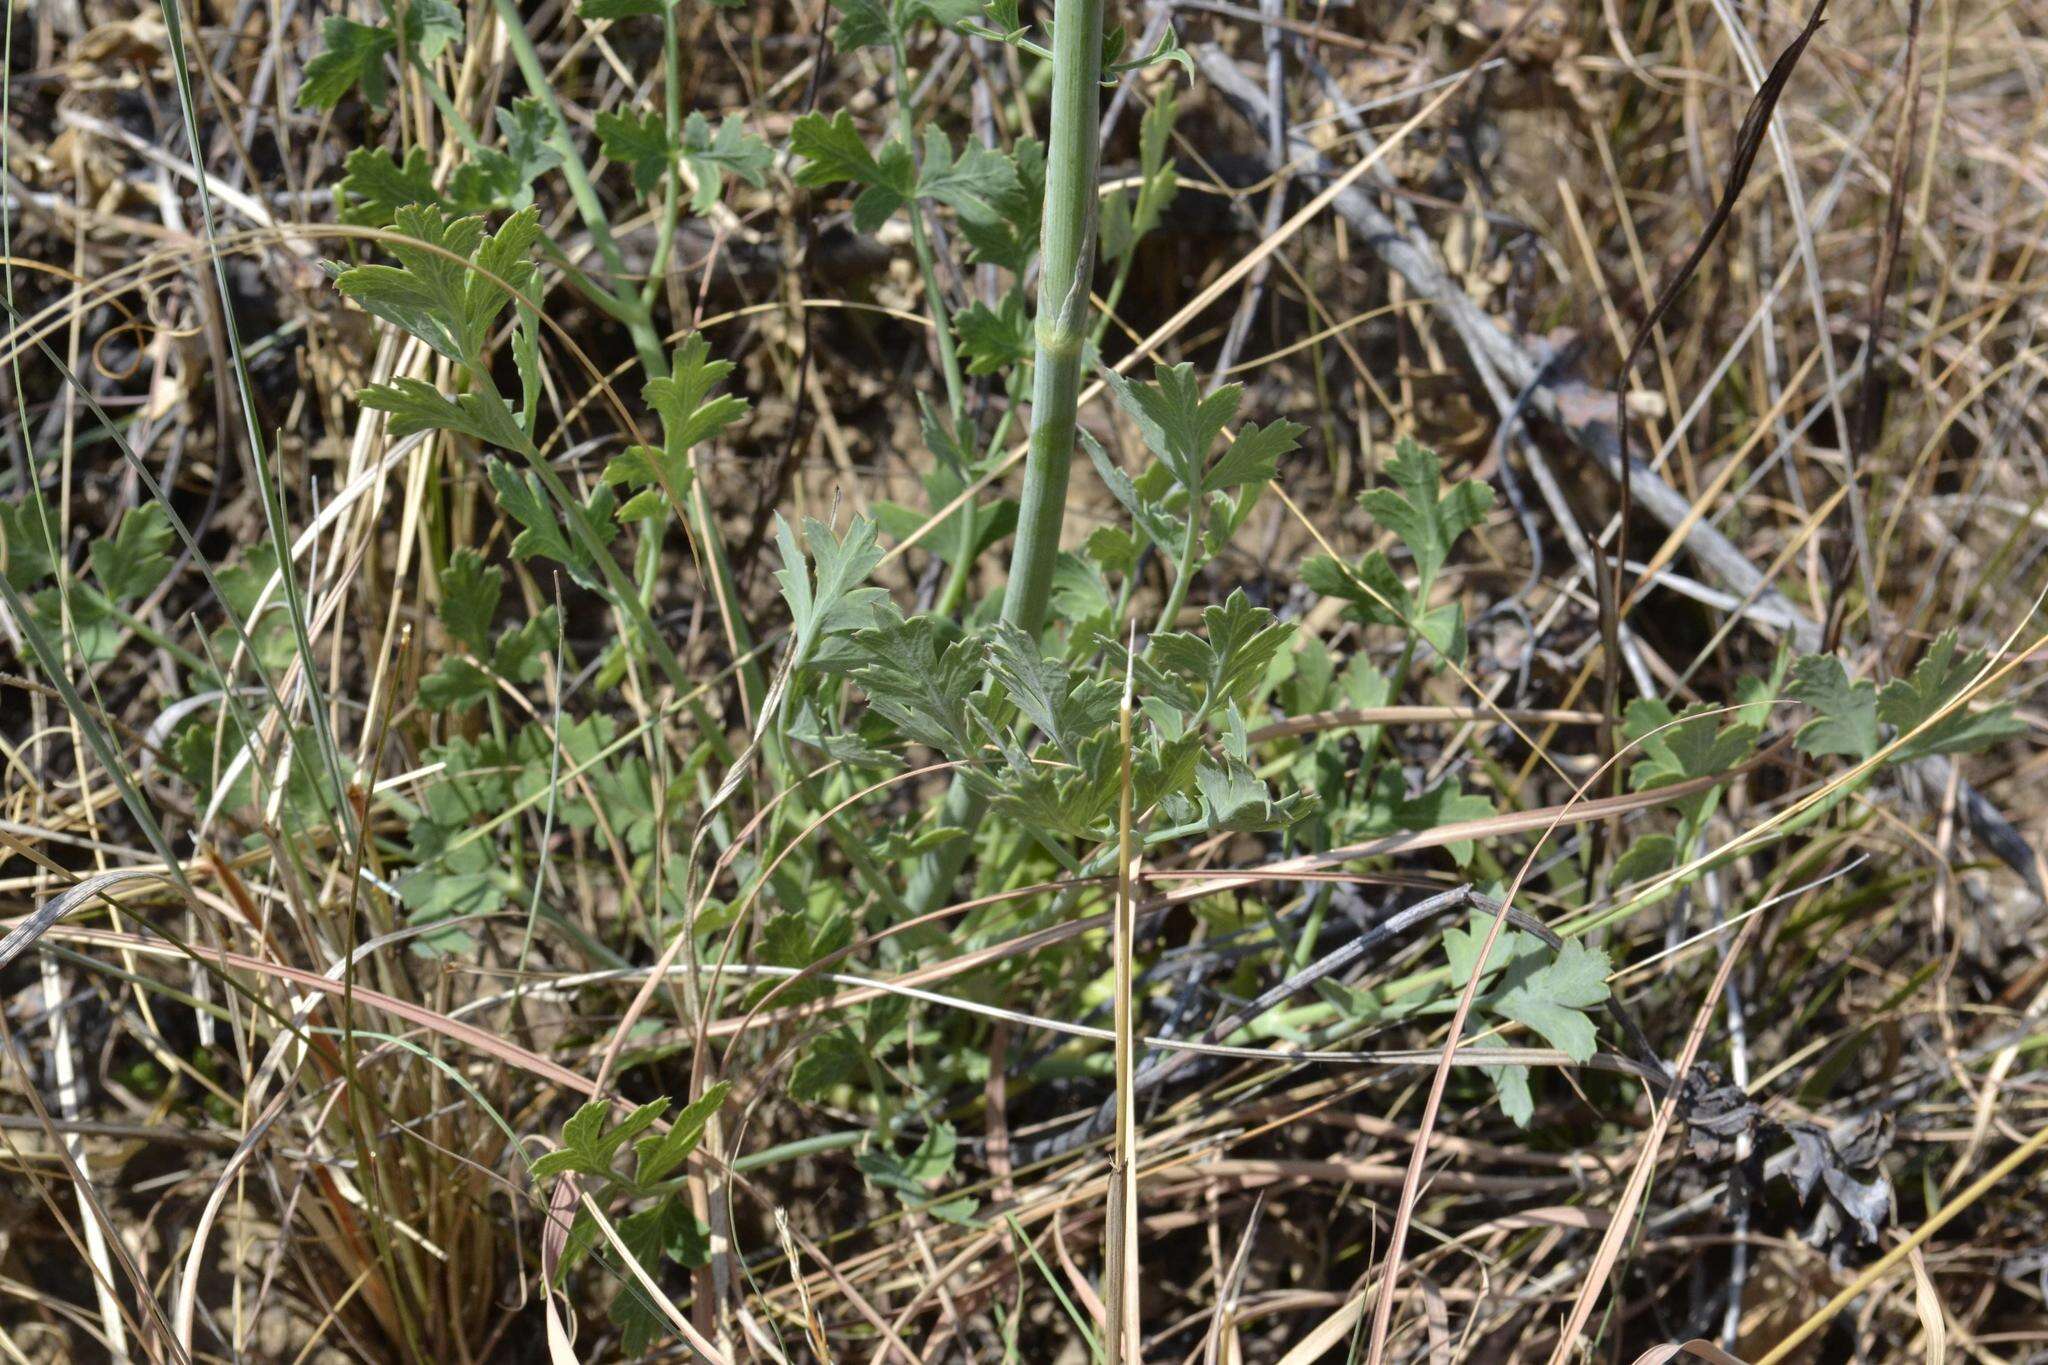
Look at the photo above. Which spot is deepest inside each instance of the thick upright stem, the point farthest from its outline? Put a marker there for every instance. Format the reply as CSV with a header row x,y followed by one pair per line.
x,y
1066,267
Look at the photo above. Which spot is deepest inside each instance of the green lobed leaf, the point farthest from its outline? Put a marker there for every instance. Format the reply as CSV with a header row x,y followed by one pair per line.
x,y
974,184
1235,798
731,151
1427,522
351,56
1254,457
1149,514
1845,713
28,540
1177,423
1067,710
1388,809
451,281
1678,748
374,187
831,152
1554,998
430,27
995,339
912,1176
658,1155
830,1061
864,23
1937,683
1007,235
591,1142
638,142
541,531
919,682
138,555
470,590
793,939
667,1229
416,406
690,414
1222,665
824,593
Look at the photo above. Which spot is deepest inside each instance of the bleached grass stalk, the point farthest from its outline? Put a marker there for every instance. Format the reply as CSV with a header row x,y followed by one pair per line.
x,y
1121,1245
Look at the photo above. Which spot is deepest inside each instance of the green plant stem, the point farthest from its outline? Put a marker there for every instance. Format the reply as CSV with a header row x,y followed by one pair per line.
x,y
1184,572
671,194
1066,268
948,604
574,171
920,241
634,312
